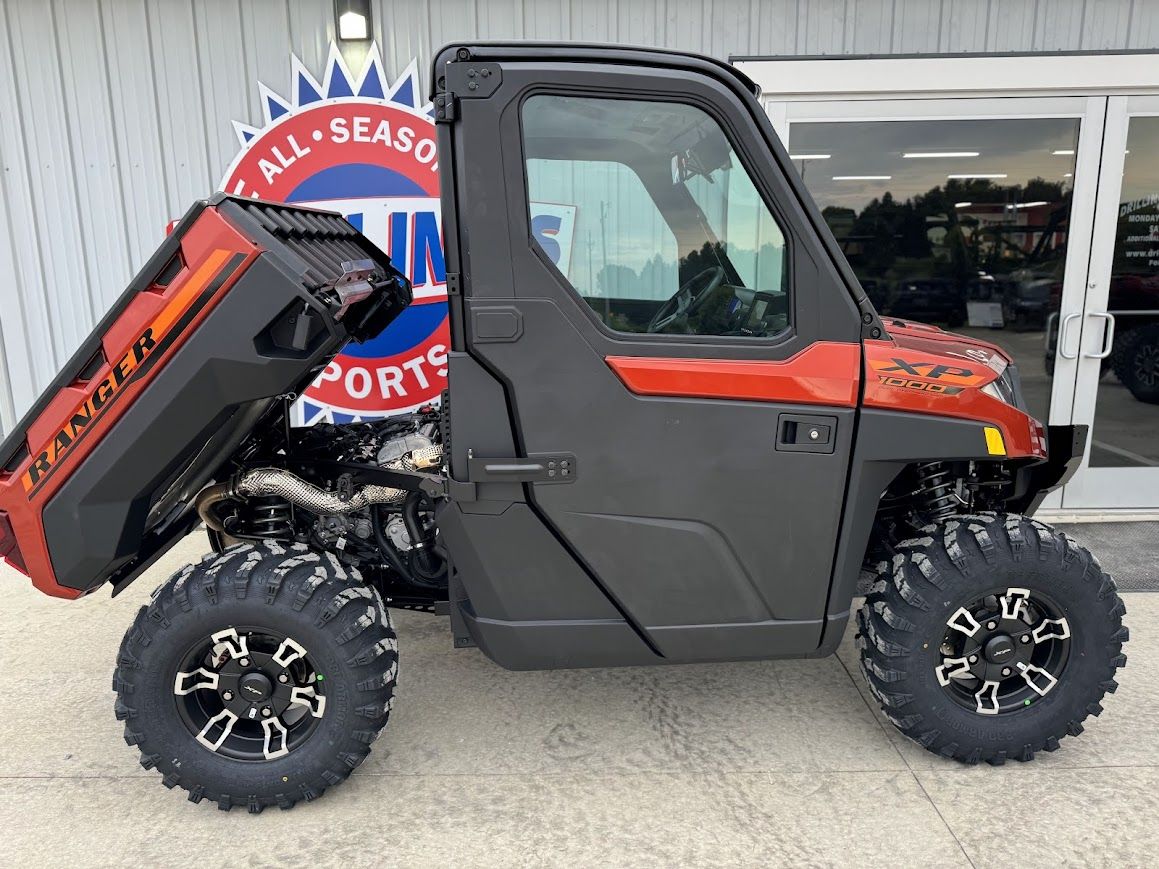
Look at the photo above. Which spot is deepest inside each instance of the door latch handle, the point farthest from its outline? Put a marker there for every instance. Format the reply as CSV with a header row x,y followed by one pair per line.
x,y
1066,321
804,433
1108,335
536,468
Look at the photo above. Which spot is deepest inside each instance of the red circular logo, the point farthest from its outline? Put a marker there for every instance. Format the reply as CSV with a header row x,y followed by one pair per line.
x,y
363,147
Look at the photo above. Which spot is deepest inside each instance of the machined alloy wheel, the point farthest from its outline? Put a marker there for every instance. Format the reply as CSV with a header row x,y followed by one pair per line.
x,y
991,637
249,695
258,677
1003,651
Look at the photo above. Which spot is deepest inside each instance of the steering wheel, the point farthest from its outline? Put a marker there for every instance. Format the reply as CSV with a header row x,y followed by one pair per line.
x,y
688,298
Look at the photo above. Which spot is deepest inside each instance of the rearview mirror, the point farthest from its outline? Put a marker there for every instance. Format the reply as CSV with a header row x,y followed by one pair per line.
x,y
708,155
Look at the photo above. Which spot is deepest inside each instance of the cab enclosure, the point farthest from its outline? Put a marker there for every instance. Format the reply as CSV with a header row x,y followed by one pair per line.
x,y
674,408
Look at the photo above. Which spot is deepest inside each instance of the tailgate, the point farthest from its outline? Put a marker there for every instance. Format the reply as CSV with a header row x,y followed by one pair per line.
x,y
244,303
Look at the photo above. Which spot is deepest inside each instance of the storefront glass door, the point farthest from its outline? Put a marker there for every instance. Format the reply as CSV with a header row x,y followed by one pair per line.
x,y
1118,378
972,214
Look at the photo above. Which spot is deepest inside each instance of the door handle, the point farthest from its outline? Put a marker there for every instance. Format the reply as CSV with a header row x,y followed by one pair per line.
x,y
1066,321
804,433
536,468
1108,335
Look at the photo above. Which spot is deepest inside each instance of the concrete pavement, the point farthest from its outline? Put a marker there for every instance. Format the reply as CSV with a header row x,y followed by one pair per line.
x,y
771,763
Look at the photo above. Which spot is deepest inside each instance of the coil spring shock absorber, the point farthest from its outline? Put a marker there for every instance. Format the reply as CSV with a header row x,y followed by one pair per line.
x,y
936,490
268,516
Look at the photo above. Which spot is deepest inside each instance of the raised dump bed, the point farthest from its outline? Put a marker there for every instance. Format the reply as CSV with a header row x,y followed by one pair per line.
x,y
242,305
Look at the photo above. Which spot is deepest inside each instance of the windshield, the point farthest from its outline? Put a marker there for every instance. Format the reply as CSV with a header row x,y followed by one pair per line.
x,y
734,210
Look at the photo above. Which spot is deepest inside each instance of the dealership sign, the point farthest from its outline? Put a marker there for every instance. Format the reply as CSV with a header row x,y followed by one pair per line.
x,y
365,146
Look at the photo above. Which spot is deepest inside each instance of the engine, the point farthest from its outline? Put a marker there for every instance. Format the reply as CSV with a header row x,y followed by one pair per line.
x,y
306,487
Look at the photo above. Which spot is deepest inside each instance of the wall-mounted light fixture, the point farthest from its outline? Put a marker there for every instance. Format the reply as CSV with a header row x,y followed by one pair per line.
x,y
353,18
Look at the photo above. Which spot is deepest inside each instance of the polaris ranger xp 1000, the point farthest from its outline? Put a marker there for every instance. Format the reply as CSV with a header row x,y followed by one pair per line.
x,y
676,430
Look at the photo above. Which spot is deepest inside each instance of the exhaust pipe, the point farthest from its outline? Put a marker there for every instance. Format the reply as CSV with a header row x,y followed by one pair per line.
x,y
283,484
210,497
267,482
290,487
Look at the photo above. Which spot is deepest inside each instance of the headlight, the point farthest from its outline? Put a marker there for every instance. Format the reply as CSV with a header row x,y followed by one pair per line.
x,y
1003,388
992,389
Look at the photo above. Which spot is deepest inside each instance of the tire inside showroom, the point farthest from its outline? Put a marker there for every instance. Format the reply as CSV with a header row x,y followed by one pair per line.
x,y
991,637
259,677
1136,360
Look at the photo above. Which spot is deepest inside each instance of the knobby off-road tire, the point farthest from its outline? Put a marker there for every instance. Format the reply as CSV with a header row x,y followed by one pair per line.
x,y
1120,352
349,657
903,627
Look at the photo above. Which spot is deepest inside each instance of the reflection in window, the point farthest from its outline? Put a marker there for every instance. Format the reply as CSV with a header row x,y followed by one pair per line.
x,y
666,232
959,223
935,215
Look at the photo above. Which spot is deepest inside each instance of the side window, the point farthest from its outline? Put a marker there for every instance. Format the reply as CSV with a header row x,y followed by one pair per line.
x,y
650,215
620,248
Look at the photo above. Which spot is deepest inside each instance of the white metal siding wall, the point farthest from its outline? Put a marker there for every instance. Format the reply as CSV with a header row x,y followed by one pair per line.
x,y
115,114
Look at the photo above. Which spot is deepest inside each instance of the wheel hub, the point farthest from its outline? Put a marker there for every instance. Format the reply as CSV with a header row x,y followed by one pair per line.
x,y
254,686
1003,652
998,649
997,653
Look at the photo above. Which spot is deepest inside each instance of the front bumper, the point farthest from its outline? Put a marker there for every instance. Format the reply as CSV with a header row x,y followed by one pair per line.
x,y
1065,445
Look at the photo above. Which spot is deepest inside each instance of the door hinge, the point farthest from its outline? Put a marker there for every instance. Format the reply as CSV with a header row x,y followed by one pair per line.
x,y
465,80
871,325
454,284
446,111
